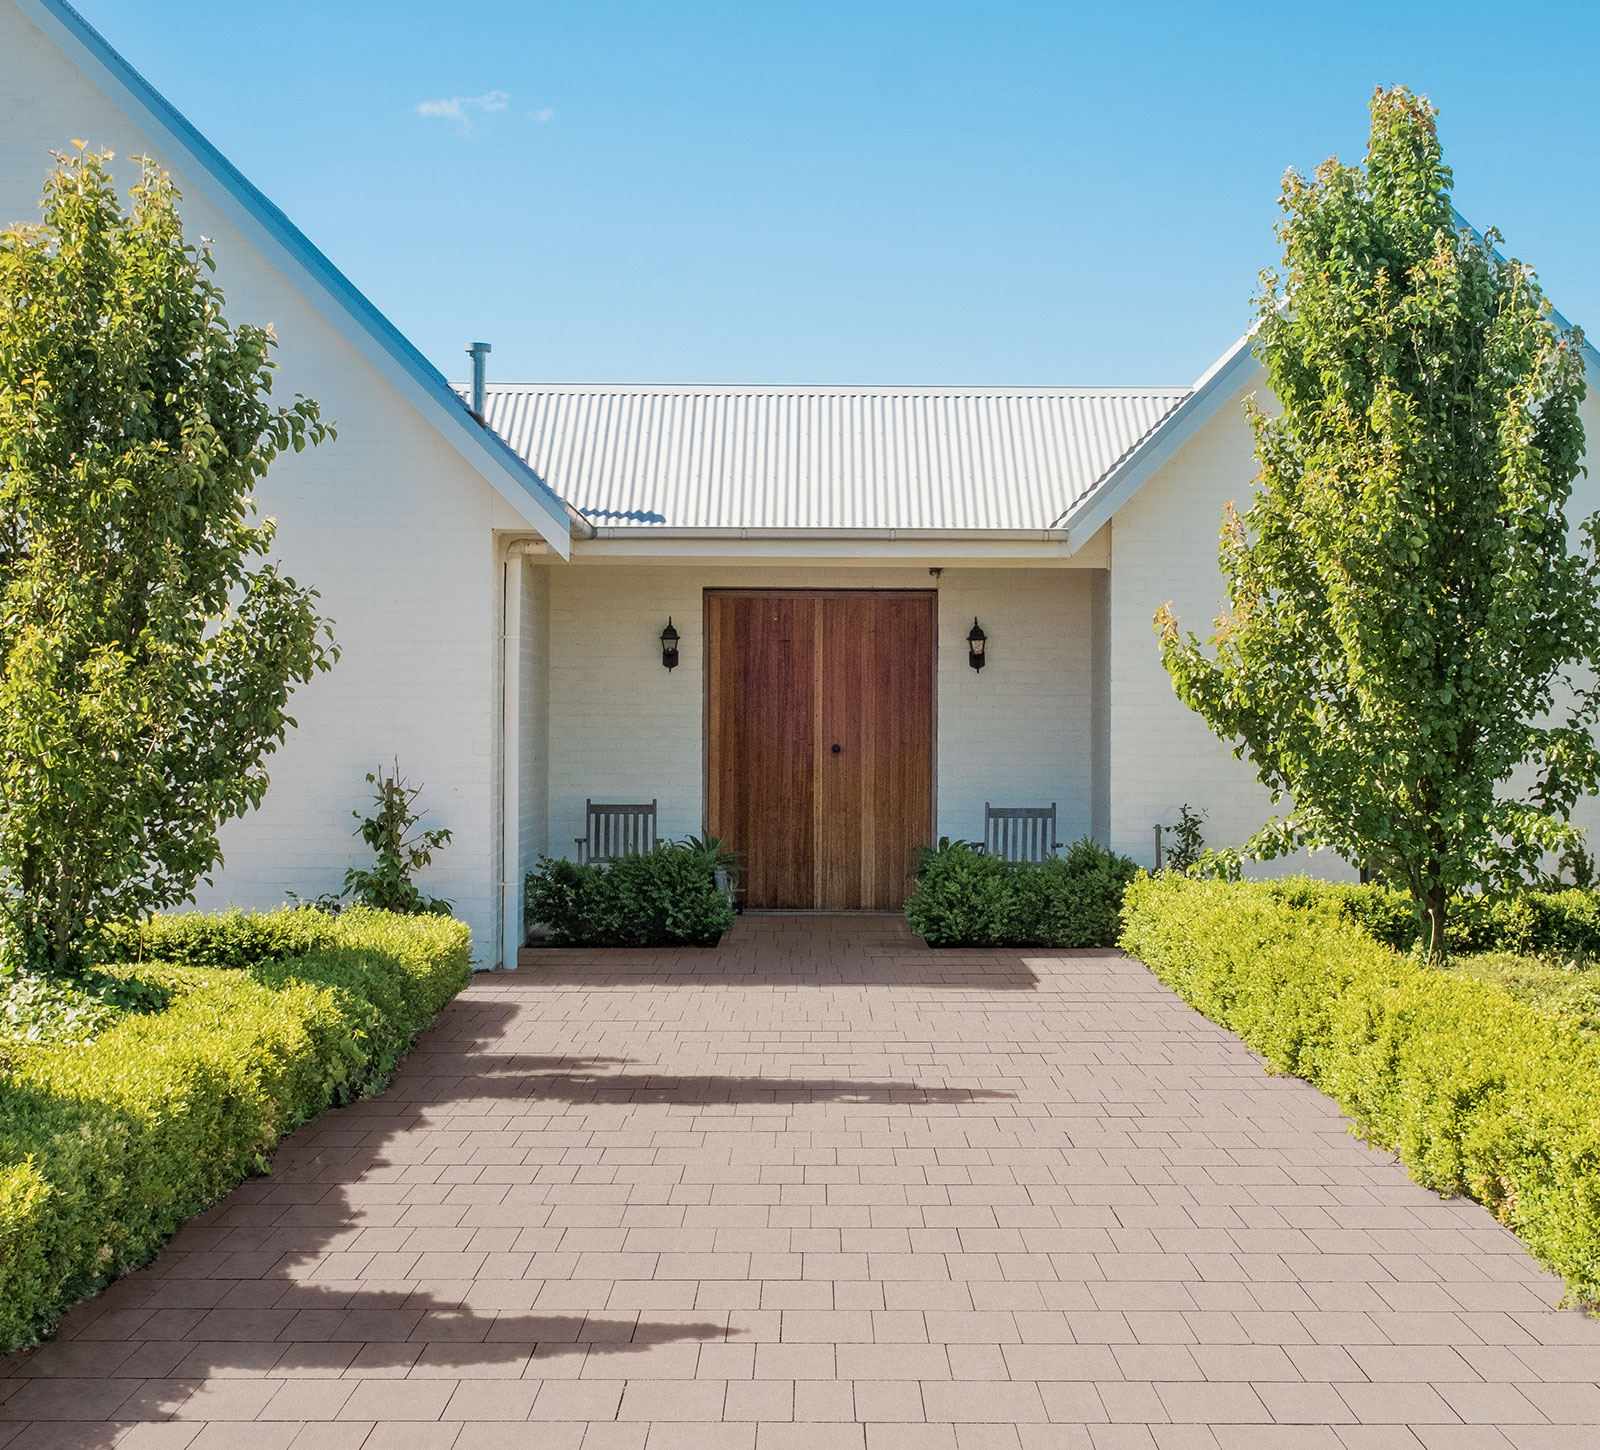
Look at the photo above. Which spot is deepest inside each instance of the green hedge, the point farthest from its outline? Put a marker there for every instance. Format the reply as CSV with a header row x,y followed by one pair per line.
x,y
667,896
966,897
1477,1092
106,1146
1560,924
224,938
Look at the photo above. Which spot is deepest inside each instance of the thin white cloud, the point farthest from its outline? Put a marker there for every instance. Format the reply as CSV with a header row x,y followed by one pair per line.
x,y
544,113
462,109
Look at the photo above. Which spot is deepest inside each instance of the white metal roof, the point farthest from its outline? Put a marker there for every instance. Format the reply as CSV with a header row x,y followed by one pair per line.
x,y
824,457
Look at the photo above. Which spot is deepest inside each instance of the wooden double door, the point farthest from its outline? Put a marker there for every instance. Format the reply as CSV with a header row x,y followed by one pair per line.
x,y
820,742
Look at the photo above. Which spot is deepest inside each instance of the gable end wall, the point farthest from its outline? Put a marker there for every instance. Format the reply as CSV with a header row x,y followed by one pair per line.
x,y
388,522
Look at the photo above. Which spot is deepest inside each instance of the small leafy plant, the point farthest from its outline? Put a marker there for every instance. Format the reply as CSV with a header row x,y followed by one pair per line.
x,y
966,897
667,896
1188,842
401,849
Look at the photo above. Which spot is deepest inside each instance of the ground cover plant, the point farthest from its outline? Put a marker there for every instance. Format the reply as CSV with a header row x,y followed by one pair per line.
x,y
967,897
676,894
120,1118
1409,645
1480,1077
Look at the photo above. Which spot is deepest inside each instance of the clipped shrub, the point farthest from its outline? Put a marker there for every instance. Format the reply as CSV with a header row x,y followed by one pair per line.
x,y
1561,924
966,897
105,1147
1477,1092
223,938
667,896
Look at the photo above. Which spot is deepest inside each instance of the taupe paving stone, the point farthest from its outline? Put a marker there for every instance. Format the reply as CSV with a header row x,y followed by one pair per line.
x,y
824,1187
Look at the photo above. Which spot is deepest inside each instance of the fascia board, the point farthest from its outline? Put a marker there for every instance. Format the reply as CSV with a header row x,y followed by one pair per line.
x,y
1225,377
292,252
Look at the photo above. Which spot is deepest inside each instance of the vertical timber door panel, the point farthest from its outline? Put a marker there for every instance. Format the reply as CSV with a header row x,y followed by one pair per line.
x,y
762,740
791,676
875,794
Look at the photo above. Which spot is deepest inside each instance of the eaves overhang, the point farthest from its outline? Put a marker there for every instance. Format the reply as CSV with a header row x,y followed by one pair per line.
x,y
1231,372
292,252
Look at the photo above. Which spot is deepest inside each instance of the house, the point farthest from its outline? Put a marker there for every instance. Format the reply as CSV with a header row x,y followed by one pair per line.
x,y
500,578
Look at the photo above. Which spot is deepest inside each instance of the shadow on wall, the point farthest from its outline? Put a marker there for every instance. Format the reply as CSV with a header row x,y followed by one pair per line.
x,y
368,1265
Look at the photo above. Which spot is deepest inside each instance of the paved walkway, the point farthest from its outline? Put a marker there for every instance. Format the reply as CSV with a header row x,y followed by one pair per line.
x,y
824,1188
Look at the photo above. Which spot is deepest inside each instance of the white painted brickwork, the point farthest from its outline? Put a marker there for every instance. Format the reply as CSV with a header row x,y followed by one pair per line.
x,y
1164,547
624,728
1019,731
388,522
534,796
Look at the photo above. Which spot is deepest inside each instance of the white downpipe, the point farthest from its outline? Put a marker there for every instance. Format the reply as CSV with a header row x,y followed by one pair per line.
x,y
511,765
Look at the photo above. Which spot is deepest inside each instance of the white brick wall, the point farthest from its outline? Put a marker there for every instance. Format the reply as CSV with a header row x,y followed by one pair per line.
x,y
1164,547
1585,501
534,796
388,522
624,728
1019,731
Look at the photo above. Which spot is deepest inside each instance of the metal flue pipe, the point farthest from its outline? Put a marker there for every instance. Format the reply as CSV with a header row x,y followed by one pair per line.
x,y
479,353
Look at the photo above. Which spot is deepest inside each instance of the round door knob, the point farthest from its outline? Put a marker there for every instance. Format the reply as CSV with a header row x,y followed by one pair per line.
x,y
835,749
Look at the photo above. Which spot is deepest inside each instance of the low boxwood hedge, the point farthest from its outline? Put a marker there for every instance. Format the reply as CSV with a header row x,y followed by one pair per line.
x,y
1477,1092
966,897
107,1145
224,938
1551,924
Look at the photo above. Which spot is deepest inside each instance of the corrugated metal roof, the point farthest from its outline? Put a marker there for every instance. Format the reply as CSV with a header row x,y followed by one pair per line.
x,y
824,458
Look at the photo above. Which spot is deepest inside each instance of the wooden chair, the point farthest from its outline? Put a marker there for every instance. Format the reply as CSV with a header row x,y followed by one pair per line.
x,y
614,830
1020,833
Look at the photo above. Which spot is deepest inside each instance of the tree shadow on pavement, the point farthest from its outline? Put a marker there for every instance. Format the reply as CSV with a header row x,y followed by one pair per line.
x,y
404,1239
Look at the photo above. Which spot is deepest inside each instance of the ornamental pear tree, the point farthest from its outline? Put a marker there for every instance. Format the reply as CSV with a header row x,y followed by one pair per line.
x,y
1408,648
147,647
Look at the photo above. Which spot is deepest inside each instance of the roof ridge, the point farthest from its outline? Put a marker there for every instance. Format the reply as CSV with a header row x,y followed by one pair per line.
x,y
883,389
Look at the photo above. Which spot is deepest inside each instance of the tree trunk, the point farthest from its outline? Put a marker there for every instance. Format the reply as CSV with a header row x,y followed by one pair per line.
x,y
1437,901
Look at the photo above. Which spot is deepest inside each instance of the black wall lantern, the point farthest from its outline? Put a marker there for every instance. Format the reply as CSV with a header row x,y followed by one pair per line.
x,y
976,639
669,645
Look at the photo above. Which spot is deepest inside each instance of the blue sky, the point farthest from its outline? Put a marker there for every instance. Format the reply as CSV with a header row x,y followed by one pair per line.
x,y
991,192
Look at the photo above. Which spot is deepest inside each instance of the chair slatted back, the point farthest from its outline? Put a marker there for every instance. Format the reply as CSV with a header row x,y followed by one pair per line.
x,y
617,829
1020,833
